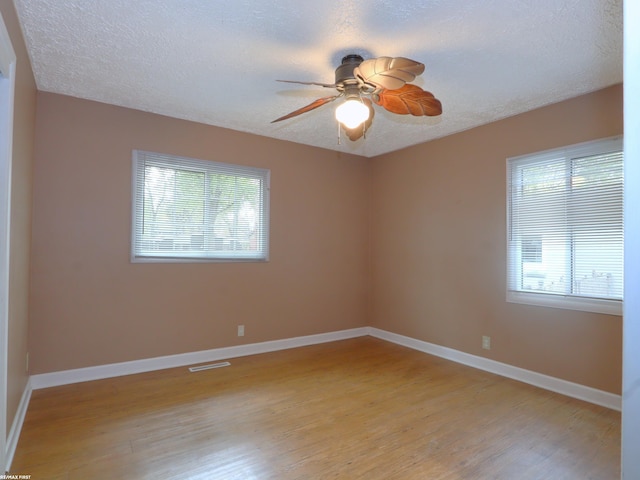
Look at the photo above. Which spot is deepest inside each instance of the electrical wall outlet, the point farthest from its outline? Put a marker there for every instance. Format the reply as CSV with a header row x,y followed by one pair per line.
x,y
486,342
241,330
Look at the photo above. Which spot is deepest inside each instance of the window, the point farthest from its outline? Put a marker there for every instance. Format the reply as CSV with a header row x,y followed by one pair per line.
x,y
565,227
532,248
195,210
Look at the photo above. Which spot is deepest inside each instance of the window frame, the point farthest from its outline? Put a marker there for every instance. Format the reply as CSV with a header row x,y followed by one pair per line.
x,y
141,158
609,306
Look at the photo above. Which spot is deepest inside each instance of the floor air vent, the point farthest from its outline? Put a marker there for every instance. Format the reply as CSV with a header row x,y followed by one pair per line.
x,y
209,367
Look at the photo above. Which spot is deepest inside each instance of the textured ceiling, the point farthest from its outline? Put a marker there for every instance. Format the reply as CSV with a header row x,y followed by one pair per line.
x,y
216,61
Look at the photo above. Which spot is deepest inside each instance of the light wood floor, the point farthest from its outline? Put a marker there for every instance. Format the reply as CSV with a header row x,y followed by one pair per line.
x,y
354,409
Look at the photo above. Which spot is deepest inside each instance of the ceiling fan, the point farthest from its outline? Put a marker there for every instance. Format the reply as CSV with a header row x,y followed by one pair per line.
x,y
383,81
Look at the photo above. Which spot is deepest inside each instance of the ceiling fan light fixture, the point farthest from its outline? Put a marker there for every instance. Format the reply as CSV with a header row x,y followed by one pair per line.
x,y
383,81
352,113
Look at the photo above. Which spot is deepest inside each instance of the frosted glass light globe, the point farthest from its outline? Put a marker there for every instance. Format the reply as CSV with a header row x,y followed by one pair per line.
x,y
352,113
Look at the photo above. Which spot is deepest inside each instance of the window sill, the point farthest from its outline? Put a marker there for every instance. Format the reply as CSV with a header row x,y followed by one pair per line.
x,y
168,258
595,305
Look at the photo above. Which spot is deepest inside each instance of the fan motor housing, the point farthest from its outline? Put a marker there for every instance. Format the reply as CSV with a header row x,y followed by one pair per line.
x,y
344,73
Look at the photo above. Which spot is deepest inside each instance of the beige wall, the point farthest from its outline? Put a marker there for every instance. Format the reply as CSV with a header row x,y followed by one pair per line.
x,y
412,242
23,141
439,242
91,306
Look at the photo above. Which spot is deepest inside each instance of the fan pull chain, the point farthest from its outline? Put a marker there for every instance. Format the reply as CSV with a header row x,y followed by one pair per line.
x,y
339,133
364,124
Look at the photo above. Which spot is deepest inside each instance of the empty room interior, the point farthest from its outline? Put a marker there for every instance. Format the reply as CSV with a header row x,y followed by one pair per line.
x,y
399,299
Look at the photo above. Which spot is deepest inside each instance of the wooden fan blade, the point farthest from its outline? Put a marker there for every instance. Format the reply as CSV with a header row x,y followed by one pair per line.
x,y
409,99
355,133
326,85
313,105
387,72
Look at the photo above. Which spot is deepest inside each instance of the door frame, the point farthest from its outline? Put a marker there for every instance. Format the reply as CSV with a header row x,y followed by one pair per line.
x,y
7,95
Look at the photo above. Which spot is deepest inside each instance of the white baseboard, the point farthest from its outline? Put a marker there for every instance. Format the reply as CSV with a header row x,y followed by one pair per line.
x,y
65,377
16,426
553,384
564,387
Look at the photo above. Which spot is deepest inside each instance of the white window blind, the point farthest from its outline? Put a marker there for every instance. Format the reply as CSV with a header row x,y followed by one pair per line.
x,y
194,210
565,227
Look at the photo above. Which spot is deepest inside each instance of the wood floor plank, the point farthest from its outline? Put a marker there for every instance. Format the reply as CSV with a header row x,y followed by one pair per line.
x,y
359,408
